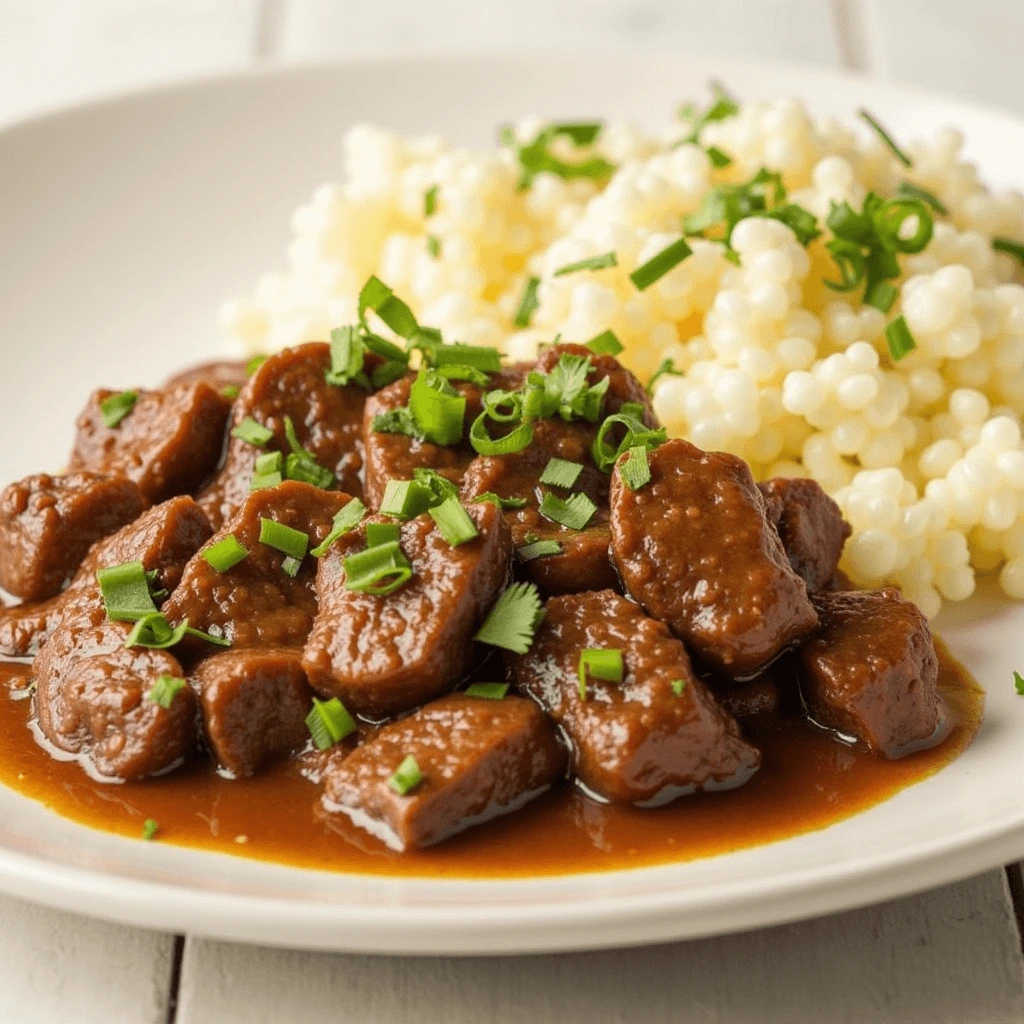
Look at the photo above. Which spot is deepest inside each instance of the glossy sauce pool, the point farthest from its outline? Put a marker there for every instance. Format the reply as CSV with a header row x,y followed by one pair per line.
x,y
807,781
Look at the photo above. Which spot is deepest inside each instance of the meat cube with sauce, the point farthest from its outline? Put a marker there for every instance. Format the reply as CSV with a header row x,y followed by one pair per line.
x,y
93,698
163,538
478,758
871,672
695,548
256,603
656,735
254,705
811,527
169,442
327,421
48,523
220,374
385,654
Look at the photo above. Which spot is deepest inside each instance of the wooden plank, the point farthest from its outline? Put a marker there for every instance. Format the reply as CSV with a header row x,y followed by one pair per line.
x,y
951,955
56,51
971,50
59,968
774,29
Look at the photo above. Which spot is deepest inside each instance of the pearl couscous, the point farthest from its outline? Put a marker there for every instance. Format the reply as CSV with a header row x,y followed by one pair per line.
x,y
920,444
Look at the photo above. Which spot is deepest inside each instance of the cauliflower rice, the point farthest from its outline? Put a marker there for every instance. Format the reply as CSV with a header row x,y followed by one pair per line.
x,y
923,454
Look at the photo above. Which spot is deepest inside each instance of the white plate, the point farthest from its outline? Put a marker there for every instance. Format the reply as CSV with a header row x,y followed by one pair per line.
x,y
123,226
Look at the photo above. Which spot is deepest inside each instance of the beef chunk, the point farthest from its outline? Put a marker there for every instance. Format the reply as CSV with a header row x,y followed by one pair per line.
x,y
384,655
811,526
255,603
479,759
92,699
168,444
48,524
756,697
163,539
871,671
585,563
254,706
328,423
638,741
695,548
219,374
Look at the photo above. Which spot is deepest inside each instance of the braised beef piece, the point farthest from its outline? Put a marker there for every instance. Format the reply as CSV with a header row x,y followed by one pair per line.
x,y
255,603
384,655
93,699
479,759
656,735
168,444
397,456
756,697
48,523
254,705
327,419
223,373
164,538
871,671
695,548
811,527
585,563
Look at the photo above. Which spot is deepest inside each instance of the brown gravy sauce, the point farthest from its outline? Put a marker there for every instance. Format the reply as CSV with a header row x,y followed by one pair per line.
x,y
808,781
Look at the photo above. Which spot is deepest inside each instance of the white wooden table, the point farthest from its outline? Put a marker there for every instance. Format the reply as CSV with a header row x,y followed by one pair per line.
x,y
953,955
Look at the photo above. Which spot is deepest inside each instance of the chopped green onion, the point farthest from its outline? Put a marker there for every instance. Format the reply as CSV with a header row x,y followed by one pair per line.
x,y
254,364
115,407
722,107
608,259
1010,247
455,372
1018,683
396,421
882,295
538,549
438,483
599,663
908,190
658,266
308,471
218,641
291,566
719,158
454,522
347,357
155,632
514,441
637,433
406,499
799,220
502,503
329,722
886,138
430,201
635,410
126,593
527,304
666,368
437,409
433,247
376,295
261,481
635,470
382,533
283,538
513,620
575,512
387,373
406,777
535,157
561,473
226,553
150,829
678,685
480,357
605,344
252,432
165,689
347,519
230,391
270,462
900,340
488,691
379,570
